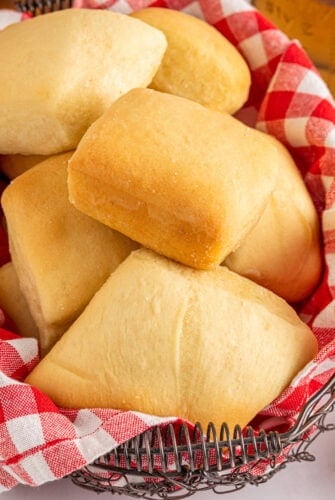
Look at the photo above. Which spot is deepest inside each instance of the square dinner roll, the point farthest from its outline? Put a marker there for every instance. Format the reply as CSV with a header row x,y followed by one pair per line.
x,y
61,71
168,340
61,256
13,302
283,251
181,179
199,63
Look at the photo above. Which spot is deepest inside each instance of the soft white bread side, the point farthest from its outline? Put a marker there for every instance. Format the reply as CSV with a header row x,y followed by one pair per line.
x,y
61,256
283,251
13,302
14,165
183,180
62,70
199,63
165,339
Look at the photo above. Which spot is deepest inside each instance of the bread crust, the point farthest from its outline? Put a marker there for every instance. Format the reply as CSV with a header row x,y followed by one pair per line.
x,y
13,302
62,70
183,180
168,340
60,255
199,63
283,251
14,165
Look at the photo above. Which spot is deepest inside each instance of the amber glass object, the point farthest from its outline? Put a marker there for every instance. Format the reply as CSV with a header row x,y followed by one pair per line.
x,y
313,23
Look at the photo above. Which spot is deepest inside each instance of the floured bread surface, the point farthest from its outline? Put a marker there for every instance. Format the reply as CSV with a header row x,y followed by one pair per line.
x,y
199,63
283,251
62,70
13,302
61,256
183,180
14,165
164,339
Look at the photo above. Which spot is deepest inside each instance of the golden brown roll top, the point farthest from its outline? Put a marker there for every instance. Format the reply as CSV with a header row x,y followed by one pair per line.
x,y
199,63
165,339
183,180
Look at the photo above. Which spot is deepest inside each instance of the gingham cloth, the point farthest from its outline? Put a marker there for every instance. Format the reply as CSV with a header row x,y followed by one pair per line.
x,y
40,442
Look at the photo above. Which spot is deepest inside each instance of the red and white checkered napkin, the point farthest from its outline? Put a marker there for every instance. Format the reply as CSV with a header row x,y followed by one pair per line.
x,y
40,442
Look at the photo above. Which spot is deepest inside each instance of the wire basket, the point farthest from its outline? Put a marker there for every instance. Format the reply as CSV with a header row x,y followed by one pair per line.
x,y
169,463
165,462
38,7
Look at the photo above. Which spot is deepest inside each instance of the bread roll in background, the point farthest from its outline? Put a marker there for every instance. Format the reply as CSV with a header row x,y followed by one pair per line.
x,y
14,165
13,302
185,181
283,251
199,63
61,256
61,71
165,339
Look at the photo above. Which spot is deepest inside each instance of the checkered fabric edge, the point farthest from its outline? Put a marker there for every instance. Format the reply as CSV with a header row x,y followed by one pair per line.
x,y
40,442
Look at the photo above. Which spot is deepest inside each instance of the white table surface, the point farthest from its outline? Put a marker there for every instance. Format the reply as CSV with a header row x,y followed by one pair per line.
x,y
299,481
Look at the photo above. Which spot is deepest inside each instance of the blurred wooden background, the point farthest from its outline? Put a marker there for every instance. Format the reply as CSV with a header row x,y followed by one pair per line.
x,y
7,4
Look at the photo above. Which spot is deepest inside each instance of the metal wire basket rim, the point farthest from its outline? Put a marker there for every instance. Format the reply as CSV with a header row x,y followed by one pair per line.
x,y
234,463
138,455
250,438
34,5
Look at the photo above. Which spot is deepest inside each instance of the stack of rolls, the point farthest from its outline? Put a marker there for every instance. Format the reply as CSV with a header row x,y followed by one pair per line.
x,y
156,241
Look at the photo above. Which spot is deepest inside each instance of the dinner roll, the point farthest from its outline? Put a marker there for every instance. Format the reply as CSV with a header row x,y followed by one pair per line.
x,y
283,251
183,180
61,256
199,63
62,70
13,302
168,340
14,165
